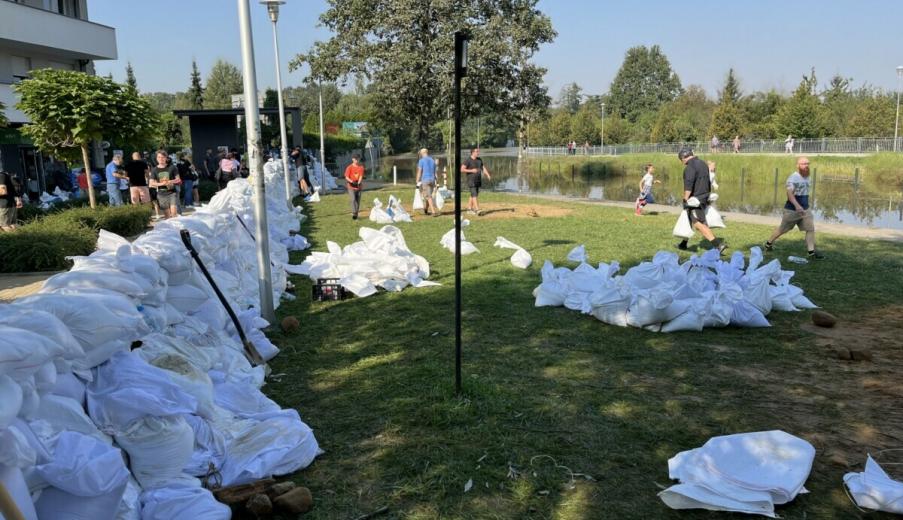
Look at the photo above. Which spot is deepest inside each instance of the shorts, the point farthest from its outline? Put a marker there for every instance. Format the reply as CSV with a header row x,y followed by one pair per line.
x,y
8,215
168,200
153,194
697,215
140,194
474,191
647,198
792,218
426,189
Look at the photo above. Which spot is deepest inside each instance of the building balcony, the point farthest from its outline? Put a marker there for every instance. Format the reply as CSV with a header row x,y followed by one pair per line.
x,y
32,29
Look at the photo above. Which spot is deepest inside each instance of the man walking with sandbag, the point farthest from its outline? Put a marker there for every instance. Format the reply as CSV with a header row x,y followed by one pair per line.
x,y
697,187
796,210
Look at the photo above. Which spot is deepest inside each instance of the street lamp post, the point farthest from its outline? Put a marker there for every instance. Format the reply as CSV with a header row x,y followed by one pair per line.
x,y
897,120
322,141
602,139
460,71
252,127
273,11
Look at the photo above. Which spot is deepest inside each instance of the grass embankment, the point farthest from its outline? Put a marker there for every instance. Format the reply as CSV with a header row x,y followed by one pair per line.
x,y
562,415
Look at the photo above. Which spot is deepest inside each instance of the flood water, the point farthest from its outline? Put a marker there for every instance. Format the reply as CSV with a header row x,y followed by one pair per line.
x,y
835,198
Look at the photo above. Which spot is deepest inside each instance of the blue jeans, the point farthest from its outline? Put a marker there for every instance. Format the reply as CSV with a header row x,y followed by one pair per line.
x,y
188,189
114,195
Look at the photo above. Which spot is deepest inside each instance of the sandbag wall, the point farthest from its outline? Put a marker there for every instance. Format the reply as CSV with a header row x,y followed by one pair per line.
x,y
123,385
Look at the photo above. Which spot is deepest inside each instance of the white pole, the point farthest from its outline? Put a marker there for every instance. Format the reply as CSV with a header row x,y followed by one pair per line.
x,y
322,141
252,117
394,175
602,141
288,180
897,120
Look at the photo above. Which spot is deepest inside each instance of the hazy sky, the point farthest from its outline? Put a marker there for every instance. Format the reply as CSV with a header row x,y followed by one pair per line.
x,y
769,43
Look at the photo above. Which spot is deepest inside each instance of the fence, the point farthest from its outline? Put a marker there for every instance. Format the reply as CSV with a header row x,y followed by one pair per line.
x,y
851,145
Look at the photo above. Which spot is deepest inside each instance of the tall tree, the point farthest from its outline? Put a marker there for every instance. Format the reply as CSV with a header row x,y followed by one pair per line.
x,y
801,115
873,117
727,120
407,55
70,109
644,83
730,93
223,82
685,118
196,91
569,99
130,77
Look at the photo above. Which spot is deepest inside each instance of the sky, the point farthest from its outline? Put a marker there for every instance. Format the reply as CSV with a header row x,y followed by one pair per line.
x,y
769,43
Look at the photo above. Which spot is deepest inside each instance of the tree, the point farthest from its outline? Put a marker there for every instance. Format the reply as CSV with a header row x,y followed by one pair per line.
x,y
130,77
801,115
407,55
873,117
586,125
730,93
195,91
685,118
727,120
569,99
644,83
223,82
760,110
70,109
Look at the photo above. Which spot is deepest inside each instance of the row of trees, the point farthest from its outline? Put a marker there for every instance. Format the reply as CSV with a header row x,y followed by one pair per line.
x,y
647,103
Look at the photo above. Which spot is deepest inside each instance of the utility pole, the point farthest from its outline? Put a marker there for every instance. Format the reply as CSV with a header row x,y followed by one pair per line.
x,y
273,11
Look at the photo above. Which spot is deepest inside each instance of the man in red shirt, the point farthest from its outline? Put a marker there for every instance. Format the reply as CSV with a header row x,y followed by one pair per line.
x,y
354,183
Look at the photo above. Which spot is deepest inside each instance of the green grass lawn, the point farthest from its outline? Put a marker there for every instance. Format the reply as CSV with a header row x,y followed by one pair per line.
x,y
563,416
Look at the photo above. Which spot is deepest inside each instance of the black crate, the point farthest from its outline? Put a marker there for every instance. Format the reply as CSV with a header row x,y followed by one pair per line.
x,y
328,289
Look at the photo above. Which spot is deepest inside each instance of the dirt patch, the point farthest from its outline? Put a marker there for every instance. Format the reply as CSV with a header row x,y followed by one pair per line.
x,y
504,211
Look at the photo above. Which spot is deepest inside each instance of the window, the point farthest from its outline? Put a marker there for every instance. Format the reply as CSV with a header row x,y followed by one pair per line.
x,y
21,66
69,8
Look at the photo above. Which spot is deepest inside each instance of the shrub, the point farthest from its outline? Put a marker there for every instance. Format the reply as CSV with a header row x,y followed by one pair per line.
x,y
207,189
126,220
43,245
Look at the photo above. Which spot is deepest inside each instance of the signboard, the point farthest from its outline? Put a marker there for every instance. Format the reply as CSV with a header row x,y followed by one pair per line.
x,y
332,128
357,128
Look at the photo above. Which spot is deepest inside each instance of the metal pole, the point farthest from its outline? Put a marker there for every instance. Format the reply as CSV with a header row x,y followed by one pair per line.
x,y
252,117
602,141
322,140
460,40
288,181
394,175
897,120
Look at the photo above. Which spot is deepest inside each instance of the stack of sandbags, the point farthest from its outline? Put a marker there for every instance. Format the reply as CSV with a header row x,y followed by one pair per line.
x,y
746,473
393,213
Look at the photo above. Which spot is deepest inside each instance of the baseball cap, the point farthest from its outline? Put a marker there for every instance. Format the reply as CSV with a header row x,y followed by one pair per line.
x,y
684,152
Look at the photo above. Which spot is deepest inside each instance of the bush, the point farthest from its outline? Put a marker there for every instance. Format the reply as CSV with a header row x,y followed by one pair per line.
x,y
43,245
207,189
126,220
29,212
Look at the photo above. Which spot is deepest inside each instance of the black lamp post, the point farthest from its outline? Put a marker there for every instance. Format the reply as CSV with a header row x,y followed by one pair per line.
x,y
461,39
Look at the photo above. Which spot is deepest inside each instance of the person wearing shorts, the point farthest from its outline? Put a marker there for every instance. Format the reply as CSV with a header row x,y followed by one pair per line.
x,y
426,181
796,211
10,201
137,170
474,168
646,183
697,186
164,177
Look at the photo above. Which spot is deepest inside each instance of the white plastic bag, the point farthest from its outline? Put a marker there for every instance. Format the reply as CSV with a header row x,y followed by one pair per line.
x,y
158,448
713,218
520,259
683,229
578,254
440,200
418,200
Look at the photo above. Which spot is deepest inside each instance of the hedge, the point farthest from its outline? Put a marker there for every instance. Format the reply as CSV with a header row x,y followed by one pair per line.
x,y
44,243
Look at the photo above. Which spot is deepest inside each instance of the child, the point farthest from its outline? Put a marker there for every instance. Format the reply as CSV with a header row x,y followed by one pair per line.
x,y
712,175
646,189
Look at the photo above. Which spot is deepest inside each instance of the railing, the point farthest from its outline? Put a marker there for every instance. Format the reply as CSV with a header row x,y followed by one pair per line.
x,y
851,145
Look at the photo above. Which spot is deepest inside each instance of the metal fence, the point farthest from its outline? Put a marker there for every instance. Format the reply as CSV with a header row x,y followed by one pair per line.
x,y
851,145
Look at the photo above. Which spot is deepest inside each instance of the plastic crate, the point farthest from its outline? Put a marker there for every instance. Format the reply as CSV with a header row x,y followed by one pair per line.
x,y
328,289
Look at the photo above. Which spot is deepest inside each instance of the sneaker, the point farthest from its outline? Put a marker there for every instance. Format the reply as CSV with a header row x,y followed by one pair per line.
x,y
353,217
817,255
721,248
768,246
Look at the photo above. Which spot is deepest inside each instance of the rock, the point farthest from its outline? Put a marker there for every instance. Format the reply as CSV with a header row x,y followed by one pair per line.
x,y
260,505
290,324
823,319
298,500
843,353
861,355
280,489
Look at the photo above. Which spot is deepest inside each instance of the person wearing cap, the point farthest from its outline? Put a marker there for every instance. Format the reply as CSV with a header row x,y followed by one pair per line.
x,y
697,187
426,181
796,210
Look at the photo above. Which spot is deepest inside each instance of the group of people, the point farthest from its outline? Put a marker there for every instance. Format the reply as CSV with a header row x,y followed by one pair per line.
x,y
699,183
160,182
715,144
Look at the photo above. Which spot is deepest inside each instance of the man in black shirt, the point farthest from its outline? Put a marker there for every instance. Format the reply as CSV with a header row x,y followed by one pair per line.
x,y
164,178
697,187
474,168
137,171
10,201
211,163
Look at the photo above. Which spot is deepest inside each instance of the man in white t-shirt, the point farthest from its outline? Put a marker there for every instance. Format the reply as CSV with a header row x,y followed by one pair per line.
x,y
796,210
646,189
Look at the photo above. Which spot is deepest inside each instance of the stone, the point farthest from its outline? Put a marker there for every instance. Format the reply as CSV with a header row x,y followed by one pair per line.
x,y
280,489
823,319
843,353
290,324
861,355
298,500
260,505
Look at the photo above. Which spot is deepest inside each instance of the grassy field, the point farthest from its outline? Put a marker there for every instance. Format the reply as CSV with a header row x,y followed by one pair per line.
x,y
563,416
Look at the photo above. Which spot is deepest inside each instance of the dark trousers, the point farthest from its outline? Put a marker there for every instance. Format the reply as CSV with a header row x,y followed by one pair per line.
x,y
355,201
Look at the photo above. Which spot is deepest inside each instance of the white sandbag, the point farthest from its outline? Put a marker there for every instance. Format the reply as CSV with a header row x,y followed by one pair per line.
x,y
314,197
780,299
182,500
191,379
278,445
88,478
59,414
578,254
505,243
22,352
45,378
418,200
11,402
47,325
358,284
746,314
110,280
130,506
609,305
874,489
209,445
186,297
682,228
713,218
758,294
520,259
15,485
243,400
439,199
550,294
650,307
797,299
158,448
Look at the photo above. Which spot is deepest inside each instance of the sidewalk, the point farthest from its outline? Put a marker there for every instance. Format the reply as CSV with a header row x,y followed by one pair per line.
x,y
17,285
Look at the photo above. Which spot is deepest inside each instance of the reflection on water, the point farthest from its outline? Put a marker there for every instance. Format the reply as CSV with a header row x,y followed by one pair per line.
x,y
835,199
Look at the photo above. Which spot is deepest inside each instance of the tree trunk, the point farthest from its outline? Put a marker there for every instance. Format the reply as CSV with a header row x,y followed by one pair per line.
x,y
88,176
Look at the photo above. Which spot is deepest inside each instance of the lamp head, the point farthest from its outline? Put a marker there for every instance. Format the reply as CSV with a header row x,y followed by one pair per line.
x,y
273,8
900,71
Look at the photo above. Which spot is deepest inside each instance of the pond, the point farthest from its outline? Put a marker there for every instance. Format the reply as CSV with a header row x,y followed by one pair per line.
x,y
844,197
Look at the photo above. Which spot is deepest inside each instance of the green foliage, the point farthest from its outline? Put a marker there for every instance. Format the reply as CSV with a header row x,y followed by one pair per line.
x,y
306,97
873,117
685,118
801,116
126,220
44,244
644,83
195,91
586,126
130,80
70,109
207,189
223,81
569,99
407,55
30,212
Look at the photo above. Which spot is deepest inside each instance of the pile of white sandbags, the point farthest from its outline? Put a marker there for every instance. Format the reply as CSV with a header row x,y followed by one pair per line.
x,y
745,473
131,351
874,489
323,181
393,212
380,259
666,296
